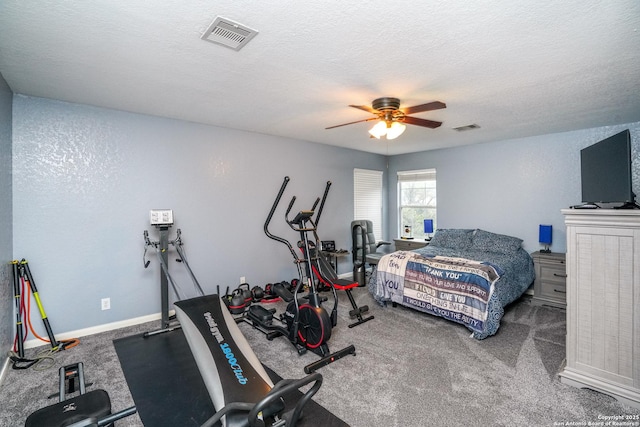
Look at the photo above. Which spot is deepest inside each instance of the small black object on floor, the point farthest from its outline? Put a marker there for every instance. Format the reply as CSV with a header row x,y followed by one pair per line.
x,y
168,390
86,409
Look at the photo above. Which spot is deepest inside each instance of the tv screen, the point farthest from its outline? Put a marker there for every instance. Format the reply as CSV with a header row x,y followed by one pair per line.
x,y
606,170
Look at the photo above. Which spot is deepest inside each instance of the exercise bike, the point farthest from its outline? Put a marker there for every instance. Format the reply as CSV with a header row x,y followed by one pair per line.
x,y
305,323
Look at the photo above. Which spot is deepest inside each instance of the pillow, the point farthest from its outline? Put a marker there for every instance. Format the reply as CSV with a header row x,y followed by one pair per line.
x,y
454,238
492,242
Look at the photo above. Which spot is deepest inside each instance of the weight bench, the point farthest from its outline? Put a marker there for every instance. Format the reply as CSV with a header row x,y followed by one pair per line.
x,y
238,385
327,276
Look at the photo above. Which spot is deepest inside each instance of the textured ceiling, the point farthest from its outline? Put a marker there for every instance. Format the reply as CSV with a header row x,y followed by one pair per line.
x,y
515,68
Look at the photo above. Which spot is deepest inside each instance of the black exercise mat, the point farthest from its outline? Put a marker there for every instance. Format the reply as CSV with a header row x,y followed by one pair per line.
x,y
168,390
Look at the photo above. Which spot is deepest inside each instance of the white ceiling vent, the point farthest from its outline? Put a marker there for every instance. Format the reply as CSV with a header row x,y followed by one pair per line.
x,y
228,33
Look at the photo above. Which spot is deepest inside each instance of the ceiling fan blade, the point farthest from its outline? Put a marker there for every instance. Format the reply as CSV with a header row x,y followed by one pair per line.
x,y
421,122
350,123
435,105
365,108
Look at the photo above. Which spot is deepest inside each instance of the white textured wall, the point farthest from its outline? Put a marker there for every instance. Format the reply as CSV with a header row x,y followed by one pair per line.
x,y
85,179
510,187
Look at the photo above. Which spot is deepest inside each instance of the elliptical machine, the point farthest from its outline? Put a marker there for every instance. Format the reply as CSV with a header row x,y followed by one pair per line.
x,y
305,323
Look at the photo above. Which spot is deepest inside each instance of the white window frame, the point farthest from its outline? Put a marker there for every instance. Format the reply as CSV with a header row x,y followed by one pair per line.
x,y
417,228
367,197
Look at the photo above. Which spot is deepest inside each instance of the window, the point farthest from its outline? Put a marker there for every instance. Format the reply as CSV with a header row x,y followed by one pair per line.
x,y
417,200
367,198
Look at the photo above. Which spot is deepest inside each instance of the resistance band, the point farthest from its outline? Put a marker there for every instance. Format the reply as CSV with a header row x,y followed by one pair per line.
x,y
23,284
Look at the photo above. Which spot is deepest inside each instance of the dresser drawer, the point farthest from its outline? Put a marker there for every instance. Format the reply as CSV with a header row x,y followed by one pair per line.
x,y
553,274
554,290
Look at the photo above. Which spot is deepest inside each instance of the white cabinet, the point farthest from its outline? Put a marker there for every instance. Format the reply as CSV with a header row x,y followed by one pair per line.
x,y
603,302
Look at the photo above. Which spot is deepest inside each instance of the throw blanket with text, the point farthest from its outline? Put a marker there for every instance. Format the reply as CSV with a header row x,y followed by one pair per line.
x,y
457,289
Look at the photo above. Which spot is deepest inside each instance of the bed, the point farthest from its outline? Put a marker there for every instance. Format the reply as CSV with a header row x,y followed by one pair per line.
x,y
464,275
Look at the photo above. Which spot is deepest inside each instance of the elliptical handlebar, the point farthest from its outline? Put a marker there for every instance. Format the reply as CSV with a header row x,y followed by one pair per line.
x,y
301,218
293,200
273,209
275,205
315,204
324,198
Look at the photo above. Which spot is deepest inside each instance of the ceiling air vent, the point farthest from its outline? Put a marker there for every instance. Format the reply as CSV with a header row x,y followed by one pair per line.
x,y
228,33
467,127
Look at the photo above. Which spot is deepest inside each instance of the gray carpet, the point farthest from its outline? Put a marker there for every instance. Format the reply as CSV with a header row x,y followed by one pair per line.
x,y
411,369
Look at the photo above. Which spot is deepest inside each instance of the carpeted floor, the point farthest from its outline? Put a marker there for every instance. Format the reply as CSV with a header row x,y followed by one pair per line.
x,y
169,391
411,369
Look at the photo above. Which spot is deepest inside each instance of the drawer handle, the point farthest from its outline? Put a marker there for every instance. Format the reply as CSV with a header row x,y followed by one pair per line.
x,y
560,292
559,275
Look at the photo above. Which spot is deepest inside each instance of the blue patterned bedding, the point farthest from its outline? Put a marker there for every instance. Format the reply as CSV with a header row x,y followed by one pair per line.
x,y
514,267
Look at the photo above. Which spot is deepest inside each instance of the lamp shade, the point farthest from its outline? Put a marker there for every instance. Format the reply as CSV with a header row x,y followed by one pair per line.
x,y
428,226
379,129
545,233
395,130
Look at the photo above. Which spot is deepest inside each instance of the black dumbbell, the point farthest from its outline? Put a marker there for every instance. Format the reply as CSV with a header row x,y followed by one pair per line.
x,y
268,290
258,293
236,302
245,290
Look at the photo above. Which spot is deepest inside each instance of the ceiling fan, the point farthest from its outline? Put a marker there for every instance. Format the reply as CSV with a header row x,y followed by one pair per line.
x,y
391,118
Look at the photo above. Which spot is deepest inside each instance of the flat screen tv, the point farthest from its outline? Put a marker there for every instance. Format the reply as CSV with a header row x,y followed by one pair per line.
x,y
606,171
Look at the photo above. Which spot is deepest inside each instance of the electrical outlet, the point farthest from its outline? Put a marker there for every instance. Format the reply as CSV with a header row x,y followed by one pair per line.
x,y
106,303
243,280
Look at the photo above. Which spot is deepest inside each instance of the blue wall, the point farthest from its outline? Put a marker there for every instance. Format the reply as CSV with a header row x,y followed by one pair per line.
x,y
6,229
85,179
509,187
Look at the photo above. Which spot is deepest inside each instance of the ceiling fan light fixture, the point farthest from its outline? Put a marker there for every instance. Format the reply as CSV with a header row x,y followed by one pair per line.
x,y
379,129
391,120
395,130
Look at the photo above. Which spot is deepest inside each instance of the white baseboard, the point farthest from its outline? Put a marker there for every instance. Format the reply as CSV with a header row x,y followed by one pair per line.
x,y
85,332
97,329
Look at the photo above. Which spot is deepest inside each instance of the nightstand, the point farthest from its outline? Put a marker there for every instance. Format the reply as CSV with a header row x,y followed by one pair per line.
x,y
334,257
550,286
409,244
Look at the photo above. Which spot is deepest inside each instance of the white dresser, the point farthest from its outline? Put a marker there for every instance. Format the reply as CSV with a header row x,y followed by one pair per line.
x,y
603,302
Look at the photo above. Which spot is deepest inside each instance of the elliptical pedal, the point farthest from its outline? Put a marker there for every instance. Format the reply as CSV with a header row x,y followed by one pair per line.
x,y
261,314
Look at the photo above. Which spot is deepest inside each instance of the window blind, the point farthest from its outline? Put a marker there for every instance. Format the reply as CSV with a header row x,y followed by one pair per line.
x,y
367,197
418,175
